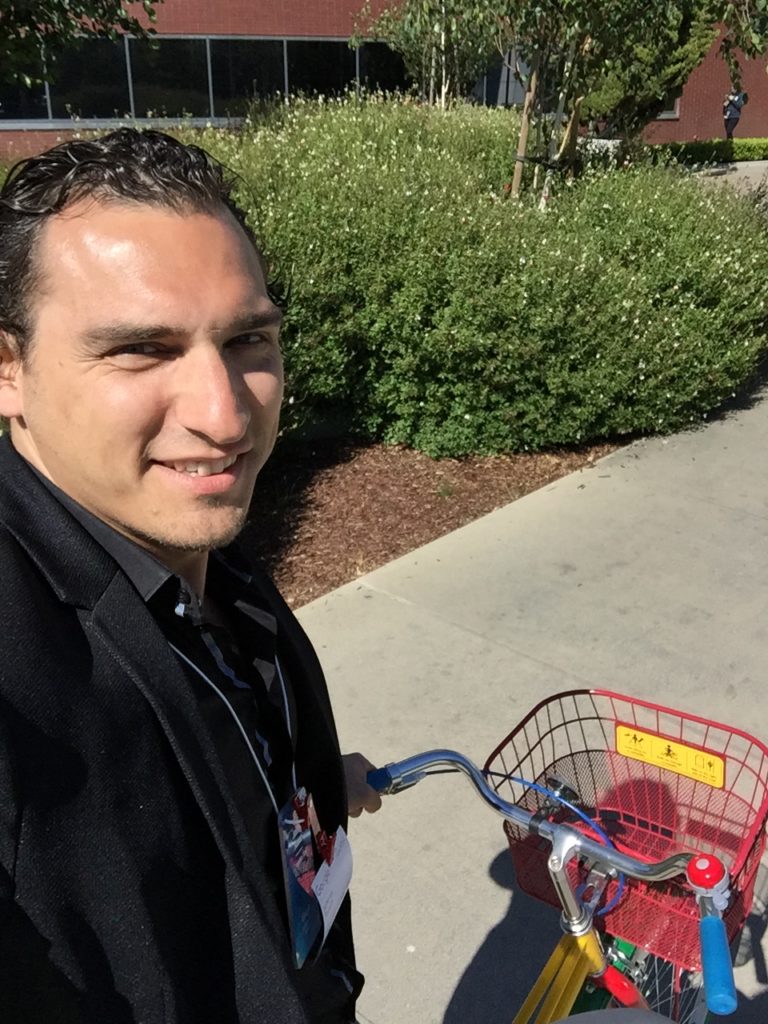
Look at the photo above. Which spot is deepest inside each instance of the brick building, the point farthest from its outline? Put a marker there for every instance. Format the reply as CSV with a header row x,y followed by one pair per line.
x,y
698,112
209,61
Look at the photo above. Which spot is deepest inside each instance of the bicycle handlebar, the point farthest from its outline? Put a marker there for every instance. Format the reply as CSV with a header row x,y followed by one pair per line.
x,y
395,777
716,965
568,842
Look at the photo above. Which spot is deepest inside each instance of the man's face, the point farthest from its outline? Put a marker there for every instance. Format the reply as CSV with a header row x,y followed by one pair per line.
x,y
152,387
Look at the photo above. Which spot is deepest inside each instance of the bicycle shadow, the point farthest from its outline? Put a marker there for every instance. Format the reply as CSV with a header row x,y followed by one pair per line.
x,y
494,984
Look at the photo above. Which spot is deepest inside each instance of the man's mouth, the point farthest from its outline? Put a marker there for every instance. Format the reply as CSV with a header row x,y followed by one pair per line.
x,y
202,467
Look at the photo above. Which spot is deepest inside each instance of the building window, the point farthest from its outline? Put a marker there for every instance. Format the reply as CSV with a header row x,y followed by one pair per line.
x,y
243,69
19,103
381,68
170,77
320,67
195,76
671,110
91,80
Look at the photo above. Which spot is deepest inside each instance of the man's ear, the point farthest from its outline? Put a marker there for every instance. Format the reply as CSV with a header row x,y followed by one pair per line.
x,y
11,374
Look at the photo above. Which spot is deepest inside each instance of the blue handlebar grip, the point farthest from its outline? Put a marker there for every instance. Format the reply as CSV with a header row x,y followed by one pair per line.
x,y
716,966
379,779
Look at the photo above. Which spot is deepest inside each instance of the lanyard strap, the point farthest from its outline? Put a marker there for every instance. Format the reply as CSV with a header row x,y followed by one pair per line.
x,y
239,724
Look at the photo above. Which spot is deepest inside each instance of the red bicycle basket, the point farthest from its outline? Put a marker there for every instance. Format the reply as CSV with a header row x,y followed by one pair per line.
x,y
658,782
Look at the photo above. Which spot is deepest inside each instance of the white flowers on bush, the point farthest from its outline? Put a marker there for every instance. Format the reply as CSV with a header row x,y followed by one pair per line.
x,y
391,223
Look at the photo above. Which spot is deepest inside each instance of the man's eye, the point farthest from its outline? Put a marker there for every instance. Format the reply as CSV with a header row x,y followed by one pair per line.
x,y
248,340
139,348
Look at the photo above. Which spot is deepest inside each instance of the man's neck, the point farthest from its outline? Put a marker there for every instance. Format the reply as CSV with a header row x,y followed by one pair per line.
x,y
192,566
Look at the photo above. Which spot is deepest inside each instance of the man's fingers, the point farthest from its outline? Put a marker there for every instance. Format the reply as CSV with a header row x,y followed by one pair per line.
x,y
360,796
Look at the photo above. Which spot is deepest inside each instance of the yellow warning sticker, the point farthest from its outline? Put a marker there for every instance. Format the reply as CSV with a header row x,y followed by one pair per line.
x,y
693,762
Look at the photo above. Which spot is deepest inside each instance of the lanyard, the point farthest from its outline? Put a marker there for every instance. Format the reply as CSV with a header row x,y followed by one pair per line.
x,y
239,724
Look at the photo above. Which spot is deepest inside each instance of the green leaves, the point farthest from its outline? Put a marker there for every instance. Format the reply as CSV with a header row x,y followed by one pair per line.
x,y
32,34
446,45
434,314
628,93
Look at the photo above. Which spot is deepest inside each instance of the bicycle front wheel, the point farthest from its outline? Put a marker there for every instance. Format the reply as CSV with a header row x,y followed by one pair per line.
x,y
670,991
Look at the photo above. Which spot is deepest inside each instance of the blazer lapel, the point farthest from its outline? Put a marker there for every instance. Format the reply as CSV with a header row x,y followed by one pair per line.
x,y
82,574
129,632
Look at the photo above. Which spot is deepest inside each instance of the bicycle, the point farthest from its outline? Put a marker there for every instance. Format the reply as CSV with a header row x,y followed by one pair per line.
x,y
645,826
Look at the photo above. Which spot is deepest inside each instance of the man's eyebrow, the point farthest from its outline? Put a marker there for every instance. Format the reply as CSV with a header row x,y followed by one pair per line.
x,y
134,334
271,317
125,333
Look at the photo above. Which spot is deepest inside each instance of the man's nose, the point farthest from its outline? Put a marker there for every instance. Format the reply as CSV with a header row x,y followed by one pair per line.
x,y
211,398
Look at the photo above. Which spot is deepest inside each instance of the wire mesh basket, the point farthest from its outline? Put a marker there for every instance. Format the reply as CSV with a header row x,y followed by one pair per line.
x,y
658,782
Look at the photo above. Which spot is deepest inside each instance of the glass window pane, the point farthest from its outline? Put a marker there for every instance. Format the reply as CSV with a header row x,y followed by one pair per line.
x,y
18,102
243,69
170,77
320,67
91,81
381,68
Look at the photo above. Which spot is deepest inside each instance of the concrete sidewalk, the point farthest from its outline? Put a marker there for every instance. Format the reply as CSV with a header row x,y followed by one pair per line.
x,y
645,574
743,175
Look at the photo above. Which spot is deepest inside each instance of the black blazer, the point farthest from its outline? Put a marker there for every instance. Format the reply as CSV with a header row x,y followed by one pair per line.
x,y
128,889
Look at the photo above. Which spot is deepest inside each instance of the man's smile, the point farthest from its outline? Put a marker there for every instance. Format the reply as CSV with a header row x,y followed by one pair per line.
x,y
202,467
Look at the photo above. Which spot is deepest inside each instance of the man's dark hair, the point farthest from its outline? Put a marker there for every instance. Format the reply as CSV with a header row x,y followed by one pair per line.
x,y
126,166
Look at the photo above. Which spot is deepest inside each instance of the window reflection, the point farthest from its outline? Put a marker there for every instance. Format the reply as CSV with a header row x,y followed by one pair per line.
x,y
381,68
320,67
170,77
243,69
91,80
17,102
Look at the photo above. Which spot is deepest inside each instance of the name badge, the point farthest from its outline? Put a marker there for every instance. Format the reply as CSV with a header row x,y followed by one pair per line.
x,y
317,869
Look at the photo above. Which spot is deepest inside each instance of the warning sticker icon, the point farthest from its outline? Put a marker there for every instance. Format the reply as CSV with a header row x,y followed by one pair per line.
x,y
665,752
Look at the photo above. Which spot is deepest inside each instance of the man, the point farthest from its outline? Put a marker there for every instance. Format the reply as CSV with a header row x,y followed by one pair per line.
x,y
159,704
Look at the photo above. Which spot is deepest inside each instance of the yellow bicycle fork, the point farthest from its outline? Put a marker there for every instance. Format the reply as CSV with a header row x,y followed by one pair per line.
x,y
555,991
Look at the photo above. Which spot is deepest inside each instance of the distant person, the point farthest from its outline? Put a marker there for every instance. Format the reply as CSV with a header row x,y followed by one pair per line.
x,y
732,105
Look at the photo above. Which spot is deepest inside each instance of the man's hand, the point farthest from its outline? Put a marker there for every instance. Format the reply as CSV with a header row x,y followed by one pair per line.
x,y
360,796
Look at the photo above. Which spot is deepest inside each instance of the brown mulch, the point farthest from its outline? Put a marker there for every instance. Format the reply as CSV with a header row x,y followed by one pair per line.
x,y
325,512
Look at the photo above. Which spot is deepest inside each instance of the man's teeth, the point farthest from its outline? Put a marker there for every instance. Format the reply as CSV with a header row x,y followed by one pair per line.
x,y
207,468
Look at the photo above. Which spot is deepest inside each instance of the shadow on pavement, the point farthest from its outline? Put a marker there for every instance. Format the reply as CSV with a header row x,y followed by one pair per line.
x,y
279,503
494,984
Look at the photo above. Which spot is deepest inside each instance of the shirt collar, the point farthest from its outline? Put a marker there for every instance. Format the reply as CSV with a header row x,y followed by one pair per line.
x,y
145,572
227,575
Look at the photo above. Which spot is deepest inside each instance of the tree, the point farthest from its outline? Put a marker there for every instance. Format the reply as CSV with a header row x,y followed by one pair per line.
x,y
34,32
575,46
746,29
568,44
625,98
613,57
446,45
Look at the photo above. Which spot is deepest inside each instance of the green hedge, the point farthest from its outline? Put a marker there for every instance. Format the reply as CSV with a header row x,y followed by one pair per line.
x,y
430,311
717,151
438,315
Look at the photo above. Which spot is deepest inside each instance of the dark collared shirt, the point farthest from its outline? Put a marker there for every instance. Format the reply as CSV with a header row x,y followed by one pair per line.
x,y
232,664
233,669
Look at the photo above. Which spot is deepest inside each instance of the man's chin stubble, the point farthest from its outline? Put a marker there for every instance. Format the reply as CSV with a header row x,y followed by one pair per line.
x,y
158,543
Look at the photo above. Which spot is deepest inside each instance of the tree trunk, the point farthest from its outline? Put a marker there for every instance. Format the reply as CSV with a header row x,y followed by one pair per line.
x,y
443,60
537,149
568,150
554,138
525,127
